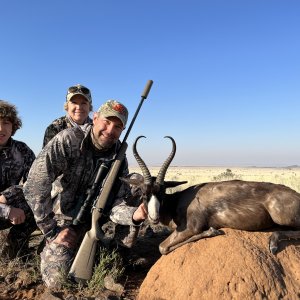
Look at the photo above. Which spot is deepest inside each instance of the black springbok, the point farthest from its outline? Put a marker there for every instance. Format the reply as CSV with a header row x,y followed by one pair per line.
x,y
200,210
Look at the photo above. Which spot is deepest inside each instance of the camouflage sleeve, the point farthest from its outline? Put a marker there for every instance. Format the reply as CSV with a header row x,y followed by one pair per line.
x,y
121,212
28,161
4,211
49,164
50,132
16,191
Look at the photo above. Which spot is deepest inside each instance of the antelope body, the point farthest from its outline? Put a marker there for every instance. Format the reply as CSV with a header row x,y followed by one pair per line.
x,y
200,210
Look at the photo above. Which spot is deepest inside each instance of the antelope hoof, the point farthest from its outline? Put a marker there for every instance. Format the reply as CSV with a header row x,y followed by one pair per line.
x,y
163,250
273,248
273,242
215,232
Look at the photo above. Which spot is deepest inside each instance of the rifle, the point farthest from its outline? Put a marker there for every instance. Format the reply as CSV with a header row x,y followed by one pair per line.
x,y
87,203
82,267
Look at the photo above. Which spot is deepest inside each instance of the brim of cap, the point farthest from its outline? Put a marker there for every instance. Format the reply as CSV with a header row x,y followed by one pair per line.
x,y
112,114
71,95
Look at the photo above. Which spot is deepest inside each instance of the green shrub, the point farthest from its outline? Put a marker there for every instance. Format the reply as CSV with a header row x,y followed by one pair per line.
x,y
227,175
110,263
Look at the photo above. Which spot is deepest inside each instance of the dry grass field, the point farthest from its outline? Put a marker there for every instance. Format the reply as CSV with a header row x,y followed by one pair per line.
x,y
289,176
20,279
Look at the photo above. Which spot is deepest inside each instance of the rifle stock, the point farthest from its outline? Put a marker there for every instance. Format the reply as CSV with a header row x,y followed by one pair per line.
x,y
82,267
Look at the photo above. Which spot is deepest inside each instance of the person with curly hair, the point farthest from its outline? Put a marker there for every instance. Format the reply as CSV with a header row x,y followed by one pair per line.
x,y
16,159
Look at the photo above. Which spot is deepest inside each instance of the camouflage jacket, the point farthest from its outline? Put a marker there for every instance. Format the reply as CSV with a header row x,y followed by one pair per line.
x,y
16,159
62,174
57,126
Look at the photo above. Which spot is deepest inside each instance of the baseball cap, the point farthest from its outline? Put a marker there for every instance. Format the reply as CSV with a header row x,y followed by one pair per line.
x,y
79,89
113,108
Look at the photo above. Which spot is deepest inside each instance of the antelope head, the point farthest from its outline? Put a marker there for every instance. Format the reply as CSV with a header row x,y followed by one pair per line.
x,y
153,188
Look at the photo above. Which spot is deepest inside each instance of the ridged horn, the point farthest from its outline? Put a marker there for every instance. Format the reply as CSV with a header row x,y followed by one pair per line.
x,y
145,170
163,170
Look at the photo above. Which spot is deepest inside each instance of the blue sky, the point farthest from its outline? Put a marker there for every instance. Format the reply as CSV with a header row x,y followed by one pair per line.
x,y
226,73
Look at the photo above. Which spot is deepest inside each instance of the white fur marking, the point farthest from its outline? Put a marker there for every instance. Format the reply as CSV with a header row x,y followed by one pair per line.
x,y
153,209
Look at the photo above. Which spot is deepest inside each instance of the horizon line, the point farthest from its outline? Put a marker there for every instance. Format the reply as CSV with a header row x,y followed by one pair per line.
x,y
220,166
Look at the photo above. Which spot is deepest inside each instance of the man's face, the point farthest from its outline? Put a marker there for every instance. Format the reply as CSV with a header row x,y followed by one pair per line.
x,y
78,109
5,131
106,130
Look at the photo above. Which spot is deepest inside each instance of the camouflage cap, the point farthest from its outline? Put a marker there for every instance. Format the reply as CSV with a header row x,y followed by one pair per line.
x,y
79,89
113,108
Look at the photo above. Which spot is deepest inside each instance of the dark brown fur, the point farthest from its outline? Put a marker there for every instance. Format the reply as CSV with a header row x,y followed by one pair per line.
x,y
200,210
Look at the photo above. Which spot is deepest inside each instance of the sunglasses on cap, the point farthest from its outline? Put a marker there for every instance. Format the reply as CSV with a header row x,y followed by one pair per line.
x,y
82,89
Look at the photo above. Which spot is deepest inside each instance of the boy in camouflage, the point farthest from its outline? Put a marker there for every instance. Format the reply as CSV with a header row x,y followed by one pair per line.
x,y
15,161
78,105
61,176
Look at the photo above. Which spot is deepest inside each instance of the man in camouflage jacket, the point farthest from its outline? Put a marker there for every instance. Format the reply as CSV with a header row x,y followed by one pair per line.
x,y
78,105
15,161
61,176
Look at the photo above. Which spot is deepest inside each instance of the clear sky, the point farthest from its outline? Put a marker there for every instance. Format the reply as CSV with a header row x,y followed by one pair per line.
x,y
226,73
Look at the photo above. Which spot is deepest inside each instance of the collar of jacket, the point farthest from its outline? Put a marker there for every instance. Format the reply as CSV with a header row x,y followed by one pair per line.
x,y
5,150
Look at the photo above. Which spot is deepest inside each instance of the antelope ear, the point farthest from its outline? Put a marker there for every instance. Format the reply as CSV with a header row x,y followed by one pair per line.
x,y
170,184
128,180
132,181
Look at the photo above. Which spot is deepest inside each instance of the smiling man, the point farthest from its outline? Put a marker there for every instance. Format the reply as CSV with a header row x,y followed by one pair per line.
x,y
15,161
78,105
61,176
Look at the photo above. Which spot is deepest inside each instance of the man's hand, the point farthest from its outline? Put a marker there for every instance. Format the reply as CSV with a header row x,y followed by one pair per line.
x,y
16,216
67,237
140,214
2,199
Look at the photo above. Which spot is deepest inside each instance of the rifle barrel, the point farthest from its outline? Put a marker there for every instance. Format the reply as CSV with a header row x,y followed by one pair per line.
x,y
144,96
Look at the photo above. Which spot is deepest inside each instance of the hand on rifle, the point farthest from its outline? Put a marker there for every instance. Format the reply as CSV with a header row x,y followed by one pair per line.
x,y
67,237
3,199
140,214
16,215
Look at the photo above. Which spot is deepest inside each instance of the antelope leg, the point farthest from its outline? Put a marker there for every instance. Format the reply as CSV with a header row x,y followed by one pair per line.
x,y
278,236
179,238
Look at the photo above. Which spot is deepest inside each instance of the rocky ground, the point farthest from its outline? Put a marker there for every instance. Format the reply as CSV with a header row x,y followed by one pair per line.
x,y
17,282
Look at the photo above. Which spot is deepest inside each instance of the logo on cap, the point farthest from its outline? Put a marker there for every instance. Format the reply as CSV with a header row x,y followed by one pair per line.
x,y
113,108
119,108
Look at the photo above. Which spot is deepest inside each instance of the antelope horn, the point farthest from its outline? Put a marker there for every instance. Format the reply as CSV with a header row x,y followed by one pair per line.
x,y
145,170
163,170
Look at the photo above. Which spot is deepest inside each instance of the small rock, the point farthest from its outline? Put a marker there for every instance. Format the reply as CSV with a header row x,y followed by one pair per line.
x,y
71,297
111,285
31,294
48,295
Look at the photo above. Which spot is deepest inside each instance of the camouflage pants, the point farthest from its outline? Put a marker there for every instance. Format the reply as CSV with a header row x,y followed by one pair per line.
x,y
56,260
125,236
18,236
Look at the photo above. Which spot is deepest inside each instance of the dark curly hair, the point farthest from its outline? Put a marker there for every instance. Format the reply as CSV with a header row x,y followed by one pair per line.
x,y
10,113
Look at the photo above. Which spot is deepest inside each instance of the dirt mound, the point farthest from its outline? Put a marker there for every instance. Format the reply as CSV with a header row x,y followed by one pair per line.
x,y
236,265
